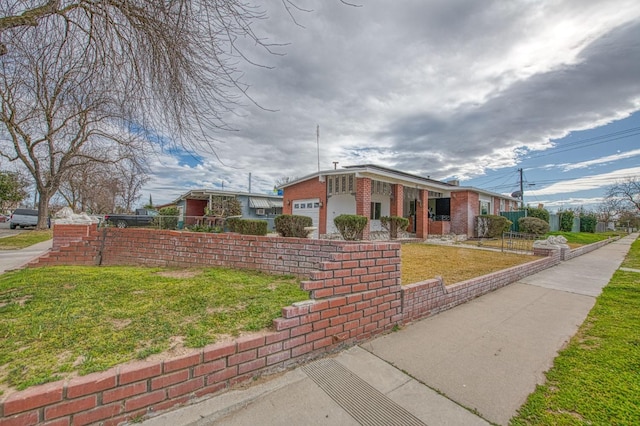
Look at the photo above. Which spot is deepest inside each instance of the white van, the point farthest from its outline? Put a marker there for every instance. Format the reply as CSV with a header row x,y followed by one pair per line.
x,y
23,218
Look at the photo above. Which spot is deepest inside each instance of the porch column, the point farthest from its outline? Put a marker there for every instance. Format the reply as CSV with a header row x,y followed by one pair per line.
x,y
363,202
397,202
422,214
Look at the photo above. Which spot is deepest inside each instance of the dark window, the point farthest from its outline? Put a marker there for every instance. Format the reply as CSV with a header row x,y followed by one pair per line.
x,y
376,209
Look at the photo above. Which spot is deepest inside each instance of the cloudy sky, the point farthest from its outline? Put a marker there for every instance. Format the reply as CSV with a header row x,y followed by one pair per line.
x,y
451,89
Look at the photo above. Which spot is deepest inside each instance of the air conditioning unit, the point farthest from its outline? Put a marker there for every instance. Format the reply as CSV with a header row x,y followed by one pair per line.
x,y
260,212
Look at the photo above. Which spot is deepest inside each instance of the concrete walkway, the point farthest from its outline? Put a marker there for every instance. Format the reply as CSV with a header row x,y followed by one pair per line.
x,y
14,259
471,365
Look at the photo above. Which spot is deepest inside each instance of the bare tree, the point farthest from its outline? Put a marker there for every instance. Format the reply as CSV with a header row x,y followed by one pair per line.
x,y
627,191
132,179
101,188
178,59
55,119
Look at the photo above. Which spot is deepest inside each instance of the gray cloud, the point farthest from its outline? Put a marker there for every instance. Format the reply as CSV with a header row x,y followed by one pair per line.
x,y
441,88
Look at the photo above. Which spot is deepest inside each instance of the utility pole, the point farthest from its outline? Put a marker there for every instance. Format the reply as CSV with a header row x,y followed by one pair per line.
x,y
521,190
318,144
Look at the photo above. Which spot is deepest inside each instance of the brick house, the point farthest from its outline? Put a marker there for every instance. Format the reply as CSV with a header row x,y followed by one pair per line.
x,y
191,205
432,206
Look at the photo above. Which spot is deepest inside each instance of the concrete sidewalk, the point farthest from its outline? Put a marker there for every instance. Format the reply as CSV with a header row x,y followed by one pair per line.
x,y
473,364
13,259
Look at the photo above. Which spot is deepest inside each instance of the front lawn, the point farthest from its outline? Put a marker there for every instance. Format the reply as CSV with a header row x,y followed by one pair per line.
x,y
595,380
59,320
584,238
453,263
25,239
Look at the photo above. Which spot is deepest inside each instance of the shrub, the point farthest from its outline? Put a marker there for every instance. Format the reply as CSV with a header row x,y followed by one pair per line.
x,y
539,213
289,225
205,228
168,218
350,226
588,222
492,226
533,225
566,220
247,226
393,224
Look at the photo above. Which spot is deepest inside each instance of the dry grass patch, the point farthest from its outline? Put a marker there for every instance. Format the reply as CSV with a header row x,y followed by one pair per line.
x,y
454,264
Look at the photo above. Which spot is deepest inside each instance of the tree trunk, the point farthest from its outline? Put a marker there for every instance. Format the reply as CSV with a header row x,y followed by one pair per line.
x,y
43,210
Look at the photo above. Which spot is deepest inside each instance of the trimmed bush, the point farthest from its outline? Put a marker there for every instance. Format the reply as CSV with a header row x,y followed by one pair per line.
x,y
168,218
566,220
205,228
288,225
588,222
539,213
393,224
247,226
533,225
492,226
351,226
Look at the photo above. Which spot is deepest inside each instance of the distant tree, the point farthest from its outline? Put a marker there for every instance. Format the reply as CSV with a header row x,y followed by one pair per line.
x,y
149,204
627,191
629,219
609,209
101,188
12,189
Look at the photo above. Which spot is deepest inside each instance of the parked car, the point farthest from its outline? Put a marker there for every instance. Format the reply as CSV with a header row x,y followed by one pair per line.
x,y
3,218
143,217
23,218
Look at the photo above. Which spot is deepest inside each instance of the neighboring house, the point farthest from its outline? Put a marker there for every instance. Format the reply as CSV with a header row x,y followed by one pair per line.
x,y
192,204
432,206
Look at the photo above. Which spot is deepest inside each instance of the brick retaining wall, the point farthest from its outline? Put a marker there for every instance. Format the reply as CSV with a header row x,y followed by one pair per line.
x,y
355,294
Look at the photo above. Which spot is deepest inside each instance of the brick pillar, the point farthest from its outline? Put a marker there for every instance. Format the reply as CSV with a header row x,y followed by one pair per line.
x,y
397,202
422,214
363,202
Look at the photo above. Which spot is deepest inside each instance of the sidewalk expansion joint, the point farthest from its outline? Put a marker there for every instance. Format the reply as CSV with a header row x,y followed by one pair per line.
x,y
367,405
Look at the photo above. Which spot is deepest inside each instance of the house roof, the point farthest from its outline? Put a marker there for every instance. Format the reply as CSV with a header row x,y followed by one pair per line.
x,y
396,176
204,194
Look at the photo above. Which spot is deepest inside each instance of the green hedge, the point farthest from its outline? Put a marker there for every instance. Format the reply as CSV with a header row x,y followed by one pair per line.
x,y
492,226
351,226
288,225
566,220
533,225
393,224
247,226
588,222
168,218
539,213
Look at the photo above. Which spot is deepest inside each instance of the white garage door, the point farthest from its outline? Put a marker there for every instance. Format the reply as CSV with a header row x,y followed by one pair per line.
x,y
310,208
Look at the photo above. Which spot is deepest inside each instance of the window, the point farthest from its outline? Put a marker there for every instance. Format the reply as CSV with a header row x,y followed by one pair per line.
x,y
376,209
484,207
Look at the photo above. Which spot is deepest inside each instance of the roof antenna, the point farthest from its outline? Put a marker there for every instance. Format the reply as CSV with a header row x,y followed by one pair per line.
x,y
335,165
318,144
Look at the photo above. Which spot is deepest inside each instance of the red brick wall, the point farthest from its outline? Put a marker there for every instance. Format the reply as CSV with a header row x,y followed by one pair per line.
x,y
68,234
397,202
311,188
363,203
422,215
465,206
356,294
430,297
438,227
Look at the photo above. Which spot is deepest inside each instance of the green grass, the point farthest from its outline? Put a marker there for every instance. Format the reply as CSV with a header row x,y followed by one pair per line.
x,y
585,237
24,239
596,379
59,320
